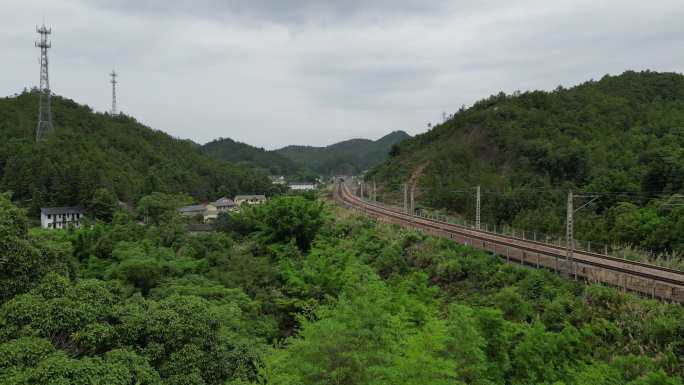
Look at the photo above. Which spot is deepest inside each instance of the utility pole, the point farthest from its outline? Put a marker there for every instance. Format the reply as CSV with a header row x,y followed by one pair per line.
x,y
569,229
477,208
361,188
44,107
113,81
569,232
413,202
406,207
375,192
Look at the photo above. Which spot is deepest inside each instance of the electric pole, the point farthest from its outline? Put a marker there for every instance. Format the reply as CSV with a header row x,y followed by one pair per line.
x,y
375,192
477,208
361,188
44,107
114,82
569,232
569,229
413,201
406,207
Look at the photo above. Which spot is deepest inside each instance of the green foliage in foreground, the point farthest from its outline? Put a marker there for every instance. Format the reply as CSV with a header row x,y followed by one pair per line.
x,y
621,136
308,299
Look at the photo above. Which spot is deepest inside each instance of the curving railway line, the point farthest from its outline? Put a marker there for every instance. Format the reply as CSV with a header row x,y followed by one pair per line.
x,y
643,278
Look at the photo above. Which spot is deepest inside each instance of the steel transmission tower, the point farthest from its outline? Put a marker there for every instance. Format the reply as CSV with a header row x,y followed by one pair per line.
x,y
114,82
44,109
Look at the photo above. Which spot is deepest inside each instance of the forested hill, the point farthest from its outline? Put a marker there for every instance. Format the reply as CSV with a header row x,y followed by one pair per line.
x,y
621,136
348,157
91,150
232,151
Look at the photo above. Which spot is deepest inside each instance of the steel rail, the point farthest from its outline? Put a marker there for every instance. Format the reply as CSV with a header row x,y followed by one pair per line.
x,y
634,268
561,249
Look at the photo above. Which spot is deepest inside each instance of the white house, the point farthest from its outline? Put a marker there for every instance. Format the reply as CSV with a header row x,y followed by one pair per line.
x,y
277,179
249,199
60,217
302,186
210,213
223,205
206,211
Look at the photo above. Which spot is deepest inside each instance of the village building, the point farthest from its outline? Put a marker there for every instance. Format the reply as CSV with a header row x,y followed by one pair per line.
x,y
224,205
207,211
302,186
60,217
249,199
277,179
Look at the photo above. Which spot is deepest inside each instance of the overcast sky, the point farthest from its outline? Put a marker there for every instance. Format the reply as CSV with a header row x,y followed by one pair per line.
x,y
276,72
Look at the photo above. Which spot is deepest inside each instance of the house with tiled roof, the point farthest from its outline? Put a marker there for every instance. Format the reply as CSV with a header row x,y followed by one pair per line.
x,y
224,205
207,211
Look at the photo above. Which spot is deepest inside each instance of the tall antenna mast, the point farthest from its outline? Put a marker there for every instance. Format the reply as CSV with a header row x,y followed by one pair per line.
x,y
114,82
44,108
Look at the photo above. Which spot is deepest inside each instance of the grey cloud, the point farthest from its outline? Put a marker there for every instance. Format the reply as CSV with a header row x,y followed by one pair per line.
x,y
363,89
273,73
281,11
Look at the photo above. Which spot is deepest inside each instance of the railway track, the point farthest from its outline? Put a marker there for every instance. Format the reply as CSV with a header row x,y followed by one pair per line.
x,y
643,278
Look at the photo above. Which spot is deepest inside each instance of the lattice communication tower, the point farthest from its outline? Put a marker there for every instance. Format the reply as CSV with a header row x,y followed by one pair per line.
x,y
44,108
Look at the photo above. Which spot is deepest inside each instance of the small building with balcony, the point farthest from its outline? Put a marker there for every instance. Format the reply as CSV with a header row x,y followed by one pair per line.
x,y
61,217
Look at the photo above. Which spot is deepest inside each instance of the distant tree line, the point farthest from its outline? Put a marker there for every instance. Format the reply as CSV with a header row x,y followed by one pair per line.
x,y
90,151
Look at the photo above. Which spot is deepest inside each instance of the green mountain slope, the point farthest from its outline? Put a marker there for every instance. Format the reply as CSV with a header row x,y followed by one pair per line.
x,y
621,137
347,157
91,150
232,151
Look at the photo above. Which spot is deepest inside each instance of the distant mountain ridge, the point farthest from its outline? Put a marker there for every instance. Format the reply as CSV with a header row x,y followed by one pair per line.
x,y
234,151
346,157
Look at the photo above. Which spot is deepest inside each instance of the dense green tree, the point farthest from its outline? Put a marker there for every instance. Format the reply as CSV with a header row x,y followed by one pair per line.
x,y
103,205
232,223
360,341
91,150
23,262
155,207
289,218
363,303
620,137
